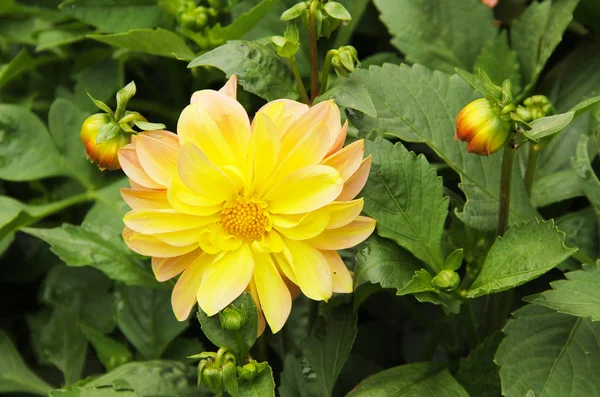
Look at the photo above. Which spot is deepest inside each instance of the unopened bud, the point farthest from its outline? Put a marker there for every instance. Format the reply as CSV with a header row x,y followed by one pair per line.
x,y
446,280
484,126
212,378
345,60
538,106
251,370
232,318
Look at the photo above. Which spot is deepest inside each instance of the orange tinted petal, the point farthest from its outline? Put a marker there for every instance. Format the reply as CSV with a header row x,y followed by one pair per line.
x,y
131,166
345,236
139,199
183,298
356,182
347,160
151,246
166,268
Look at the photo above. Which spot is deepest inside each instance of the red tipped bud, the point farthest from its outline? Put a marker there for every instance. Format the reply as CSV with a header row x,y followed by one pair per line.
x,y
484,126
105,153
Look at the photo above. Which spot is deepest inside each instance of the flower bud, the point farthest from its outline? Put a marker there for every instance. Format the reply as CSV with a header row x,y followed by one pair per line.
x,y
538,106
251,370
232,318
446,280
105,153
344,60
484,125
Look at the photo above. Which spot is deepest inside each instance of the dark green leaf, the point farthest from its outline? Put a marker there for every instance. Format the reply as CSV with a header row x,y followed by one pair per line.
x,y
432,32
411,380
525,252
157,42
549,353
220,337
53,38
261,386
478,373
500,62
258,68
21,63
246,21
14,374
405,196
581,228
146,318
110,352
582,166
349,93
544,190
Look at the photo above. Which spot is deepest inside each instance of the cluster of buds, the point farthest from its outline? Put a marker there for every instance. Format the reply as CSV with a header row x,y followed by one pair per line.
x,y
193,15
329,15
535,107
217,371
103,134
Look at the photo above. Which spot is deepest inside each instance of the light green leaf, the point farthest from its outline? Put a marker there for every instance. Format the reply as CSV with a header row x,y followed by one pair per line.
x,y
411,380
102,80
14,374
526,251
349,93
77,391
500,62
220,337
537,32
381,261
551,354
245,22
21,63
258,68
454,259
548,126
110,352
417,105
584,106
328,346
405,196
113,16
79,246
53,38
432,32
261,386
544,190
146,318
420,282
160,42
578,295
106,216
478,373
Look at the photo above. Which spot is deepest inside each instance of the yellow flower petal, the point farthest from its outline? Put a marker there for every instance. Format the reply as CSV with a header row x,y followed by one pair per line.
x,y
230,88
340,275
130,164
356,182
270,242
184,294
166,268
284,267
263,152
151,246
343,212
180,238
283,112
338,139
347,160
225,279
231,118
274,295
261,318
311,269
196,126
310,225
146,199
325,112
158,157
185,200
305,190
345,236
164,221
203,177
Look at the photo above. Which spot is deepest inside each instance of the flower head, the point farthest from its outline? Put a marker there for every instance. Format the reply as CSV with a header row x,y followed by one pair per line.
x,y
104,153
235,206
483,127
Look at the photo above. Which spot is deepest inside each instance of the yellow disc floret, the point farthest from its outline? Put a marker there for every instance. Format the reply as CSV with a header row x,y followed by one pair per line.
x,y
244,219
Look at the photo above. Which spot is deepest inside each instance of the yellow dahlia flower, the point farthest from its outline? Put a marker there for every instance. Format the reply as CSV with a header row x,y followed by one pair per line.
x,y
234,206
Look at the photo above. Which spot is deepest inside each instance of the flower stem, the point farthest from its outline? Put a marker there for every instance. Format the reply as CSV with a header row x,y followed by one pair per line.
x,y
505,185
325,72
301,88
532,160
583,258
45,210
314,62
466,312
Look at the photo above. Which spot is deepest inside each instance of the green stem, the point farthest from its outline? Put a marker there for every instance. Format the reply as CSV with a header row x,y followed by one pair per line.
x,y
314,61
505,185
45,210
301,88
532,160
434,339
326,67
468,319
583,258
239,339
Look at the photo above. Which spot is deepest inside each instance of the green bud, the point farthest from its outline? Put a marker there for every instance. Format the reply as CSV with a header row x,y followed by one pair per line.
x,y
345,60
230,377
232,318
446,280
212,378
295,11
524,114
284,47
248,371
538,106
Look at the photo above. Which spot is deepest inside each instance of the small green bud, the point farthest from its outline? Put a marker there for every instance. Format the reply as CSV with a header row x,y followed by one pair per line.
x,y
538,106
212,378
345,60
446,280
295,11
230,377
247,372
524,114
232,318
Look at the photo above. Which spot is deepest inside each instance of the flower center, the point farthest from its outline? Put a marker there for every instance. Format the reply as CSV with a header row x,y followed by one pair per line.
x,y
244,219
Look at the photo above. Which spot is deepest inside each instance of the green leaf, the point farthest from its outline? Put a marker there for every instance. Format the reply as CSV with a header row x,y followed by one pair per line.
x,y
261,386
113,16
328,346
220,337
578,295
411,380
581,228
420,282
110,352
21,63
381,261
478,373
151,379
245,22
417,105
337,11
146,126
258,68
53,38
146,318
454,260
584,106
537,32
544,190
79,246
106,216
76,391
15,376
549,353
292,382
526,251
405,196
432,33
548,126
582,166
500,62
102,79
349,93
160,42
